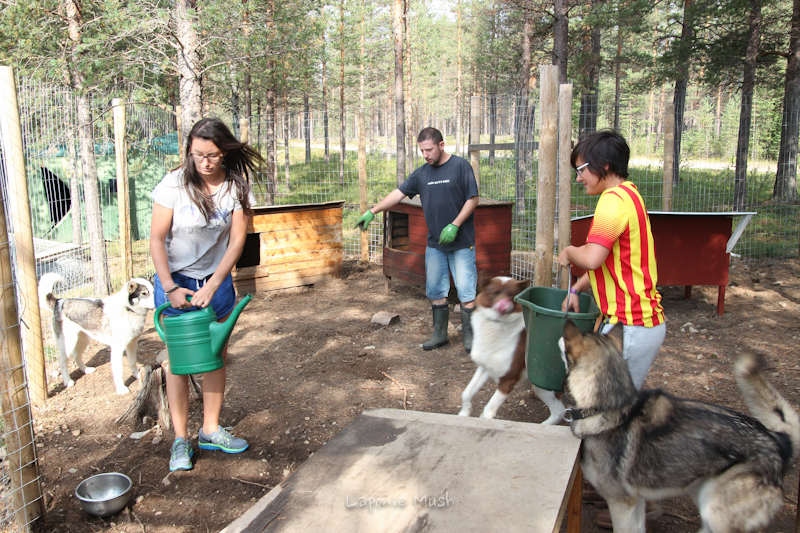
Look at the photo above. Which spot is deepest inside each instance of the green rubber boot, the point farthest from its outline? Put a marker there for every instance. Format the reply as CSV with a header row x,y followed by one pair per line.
x,y
466,327
441,316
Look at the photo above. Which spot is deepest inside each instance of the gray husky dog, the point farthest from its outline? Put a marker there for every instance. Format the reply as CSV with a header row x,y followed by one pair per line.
x,y
650,445
117,321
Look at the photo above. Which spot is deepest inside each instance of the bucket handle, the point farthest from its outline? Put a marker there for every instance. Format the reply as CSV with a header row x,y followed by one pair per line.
x,y
569,284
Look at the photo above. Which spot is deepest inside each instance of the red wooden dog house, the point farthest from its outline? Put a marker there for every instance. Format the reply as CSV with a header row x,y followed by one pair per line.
x,y
405,237
691,248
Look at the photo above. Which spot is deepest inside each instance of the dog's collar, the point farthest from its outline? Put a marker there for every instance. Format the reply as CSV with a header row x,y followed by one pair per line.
x,y
572,414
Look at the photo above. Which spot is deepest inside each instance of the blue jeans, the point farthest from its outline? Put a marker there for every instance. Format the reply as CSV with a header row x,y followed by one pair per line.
x,y
222,303
439,265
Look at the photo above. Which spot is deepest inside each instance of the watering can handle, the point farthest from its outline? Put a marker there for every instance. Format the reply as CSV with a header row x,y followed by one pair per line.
x,y
157,317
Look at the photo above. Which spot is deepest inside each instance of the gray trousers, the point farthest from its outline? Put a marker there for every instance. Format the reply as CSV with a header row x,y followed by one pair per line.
x,y
640,346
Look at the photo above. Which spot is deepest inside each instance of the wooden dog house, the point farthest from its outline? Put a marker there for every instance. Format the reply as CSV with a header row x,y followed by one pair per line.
x,y
405,237
290,246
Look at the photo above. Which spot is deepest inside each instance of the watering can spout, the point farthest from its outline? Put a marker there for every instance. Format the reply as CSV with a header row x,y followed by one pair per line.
x,y
221,331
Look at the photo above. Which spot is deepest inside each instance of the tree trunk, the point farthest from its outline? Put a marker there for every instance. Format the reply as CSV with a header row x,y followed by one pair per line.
x,y
785,189
326,133
458,79
746,113
190,84
560,36
587,122
307,127
399,104
617,78
679,99
286,121
91,190
237,132
521,127
409,95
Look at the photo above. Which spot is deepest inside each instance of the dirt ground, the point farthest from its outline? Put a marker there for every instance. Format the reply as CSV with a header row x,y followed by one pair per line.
x,y
305,362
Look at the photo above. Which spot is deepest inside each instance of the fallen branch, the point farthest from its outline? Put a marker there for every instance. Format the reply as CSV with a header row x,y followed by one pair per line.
x,y
405,392
254,483
681,517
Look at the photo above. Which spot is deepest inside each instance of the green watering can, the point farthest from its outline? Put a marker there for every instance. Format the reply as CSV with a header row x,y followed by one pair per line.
x,y
195,340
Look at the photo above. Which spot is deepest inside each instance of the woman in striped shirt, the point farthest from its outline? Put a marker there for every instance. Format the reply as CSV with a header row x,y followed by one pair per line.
x,y
619,256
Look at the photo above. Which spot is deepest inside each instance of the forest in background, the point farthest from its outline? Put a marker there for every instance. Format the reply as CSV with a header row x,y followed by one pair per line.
x,y
406,64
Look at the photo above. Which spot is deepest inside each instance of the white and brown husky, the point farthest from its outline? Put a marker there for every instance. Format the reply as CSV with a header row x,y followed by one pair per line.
x,y
117,321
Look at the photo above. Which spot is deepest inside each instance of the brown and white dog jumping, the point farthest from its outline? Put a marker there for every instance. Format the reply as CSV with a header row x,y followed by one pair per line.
x,y
498,347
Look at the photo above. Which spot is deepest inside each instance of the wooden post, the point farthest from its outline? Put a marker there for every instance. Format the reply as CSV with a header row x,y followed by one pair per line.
x,y
546,186
123,192
22,468
179,125
669,156
475,136
564,169
20,209
362,183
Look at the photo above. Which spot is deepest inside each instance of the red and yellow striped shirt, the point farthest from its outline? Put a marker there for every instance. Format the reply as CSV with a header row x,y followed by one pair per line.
x,y
625,285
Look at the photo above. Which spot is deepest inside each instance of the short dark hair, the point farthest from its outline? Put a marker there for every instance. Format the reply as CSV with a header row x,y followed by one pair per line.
x,y
431,134
601,149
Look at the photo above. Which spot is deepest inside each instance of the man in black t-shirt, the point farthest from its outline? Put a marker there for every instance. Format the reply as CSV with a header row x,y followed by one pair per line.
x,y
449,194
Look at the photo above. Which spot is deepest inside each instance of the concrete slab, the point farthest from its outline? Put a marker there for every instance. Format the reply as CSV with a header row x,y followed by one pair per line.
x,y
393,470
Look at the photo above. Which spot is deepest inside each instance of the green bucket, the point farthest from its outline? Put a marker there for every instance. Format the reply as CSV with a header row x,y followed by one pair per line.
x,y
544,321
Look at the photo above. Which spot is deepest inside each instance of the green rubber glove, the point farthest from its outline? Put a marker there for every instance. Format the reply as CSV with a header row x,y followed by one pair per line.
x,y
364,221
448,234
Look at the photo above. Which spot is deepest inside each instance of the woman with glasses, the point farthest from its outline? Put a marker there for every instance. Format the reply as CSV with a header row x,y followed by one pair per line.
x,y
620,262
619,256
198,231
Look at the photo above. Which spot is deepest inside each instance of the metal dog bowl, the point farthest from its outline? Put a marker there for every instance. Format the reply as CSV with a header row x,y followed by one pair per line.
x,y
104,494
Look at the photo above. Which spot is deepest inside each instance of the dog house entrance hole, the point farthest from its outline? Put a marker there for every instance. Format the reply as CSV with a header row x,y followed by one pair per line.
x,y
398,225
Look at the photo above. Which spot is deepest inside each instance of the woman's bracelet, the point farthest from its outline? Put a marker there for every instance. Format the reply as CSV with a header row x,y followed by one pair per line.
x,y
572,291
173,289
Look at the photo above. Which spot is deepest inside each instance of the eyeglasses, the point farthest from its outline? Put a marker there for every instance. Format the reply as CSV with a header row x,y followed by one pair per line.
x,y
211,158
579,169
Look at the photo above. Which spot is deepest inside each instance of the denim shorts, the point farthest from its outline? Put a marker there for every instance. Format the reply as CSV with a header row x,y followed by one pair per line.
x,y
222,303
439,265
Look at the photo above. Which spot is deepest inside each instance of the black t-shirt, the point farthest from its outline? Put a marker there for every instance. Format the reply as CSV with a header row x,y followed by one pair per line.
x,y
443,191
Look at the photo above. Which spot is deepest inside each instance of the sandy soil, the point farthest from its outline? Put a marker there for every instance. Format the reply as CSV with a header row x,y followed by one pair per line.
x,y
305,362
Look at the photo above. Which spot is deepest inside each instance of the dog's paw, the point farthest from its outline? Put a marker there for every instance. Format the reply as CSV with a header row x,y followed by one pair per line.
x,y
89,370
465,412
553,420
69,383
122,390
488,414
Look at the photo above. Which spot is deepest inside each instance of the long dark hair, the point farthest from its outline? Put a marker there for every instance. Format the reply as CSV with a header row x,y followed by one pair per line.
x,y
240,161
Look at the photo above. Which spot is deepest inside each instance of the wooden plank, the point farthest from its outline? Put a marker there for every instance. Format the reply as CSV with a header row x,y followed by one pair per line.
x,y
398,241
273,284
397,454
494,248
293,216
320,234
261,226
272,250
279,259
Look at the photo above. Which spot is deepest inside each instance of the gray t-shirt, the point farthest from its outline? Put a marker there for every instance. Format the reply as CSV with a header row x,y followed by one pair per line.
x,y
195,247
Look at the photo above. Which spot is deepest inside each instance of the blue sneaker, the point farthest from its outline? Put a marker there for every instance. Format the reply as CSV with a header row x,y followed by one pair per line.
x,y
222,440
181,455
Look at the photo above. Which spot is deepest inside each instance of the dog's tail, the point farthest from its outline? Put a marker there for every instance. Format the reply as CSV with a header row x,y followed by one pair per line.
x,y
46,284
764,402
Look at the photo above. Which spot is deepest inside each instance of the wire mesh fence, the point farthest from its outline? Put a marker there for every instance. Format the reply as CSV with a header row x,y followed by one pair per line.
x,y
309,161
